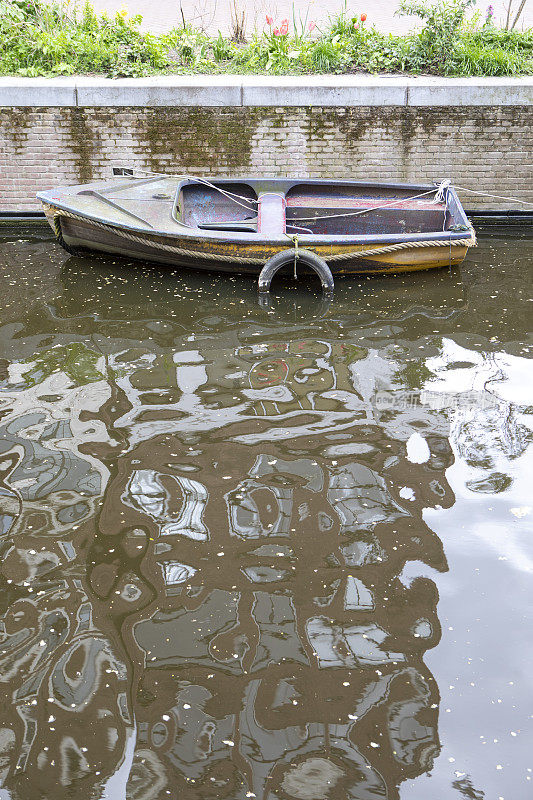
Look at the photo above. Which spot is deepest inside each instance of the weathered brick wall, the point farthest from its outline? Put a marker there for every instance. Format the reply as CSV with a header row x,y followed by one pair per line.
x,y
484,148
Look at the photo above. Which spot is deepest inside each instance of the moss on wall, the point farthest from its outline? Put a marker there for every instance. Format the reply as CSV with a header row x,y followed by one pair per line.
x,y
82,142
198,139
14,126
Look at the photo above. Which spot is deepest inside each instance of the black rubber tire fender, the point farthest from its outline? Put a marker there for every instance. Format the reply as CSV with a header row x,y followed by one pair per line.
x,y
306,257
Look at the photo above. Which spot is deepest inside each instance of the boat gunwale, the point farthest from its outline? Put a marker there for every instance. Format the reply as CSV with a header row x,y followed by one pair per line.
x,y
304,239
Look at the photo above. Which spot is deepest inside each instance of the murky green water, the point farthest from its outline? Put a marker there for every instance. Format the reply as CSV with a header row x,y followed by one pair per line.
x,y
273,553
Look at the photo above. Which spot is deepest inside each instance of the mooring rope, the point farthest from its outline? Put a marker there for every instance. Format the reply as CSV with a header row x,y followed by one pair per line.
x,y
296,253
495,196
440,191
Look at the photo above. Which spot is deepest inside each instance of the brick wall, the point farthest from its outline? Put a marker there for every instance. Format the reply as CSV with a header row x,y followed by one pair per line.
x,y
481,147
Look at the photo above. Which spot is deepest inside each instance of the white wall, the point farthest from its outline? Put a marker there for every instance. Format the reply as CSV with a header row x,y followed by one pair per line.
x,y
215,14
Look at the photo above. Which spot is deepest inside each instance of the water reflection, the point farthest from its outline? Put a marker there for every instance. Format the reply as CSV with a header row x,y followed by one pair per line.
x,y
268,603
218,574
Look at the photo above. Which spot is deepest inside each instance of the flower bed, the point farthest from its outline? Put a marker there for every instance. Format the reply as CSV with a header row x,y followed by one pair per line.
x,y
40,39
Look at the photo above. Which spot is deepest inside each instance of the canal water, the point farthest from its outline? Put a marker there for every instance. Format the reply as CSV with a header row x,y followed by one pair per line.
x,y
277,552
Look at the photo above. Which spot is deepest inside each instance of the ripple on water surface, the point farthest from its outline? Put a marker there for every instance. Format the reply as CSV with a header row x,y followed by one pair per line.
x,y
264,551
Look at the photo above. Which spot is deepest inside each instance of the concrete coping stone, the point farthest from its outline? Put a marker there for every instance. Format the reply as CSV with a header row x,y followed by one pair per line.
x,y
264,91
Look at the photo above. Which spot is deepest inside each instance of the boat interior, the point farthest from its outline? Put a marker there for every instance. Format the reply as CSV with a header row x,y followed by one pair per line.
x,y
326,209
267,208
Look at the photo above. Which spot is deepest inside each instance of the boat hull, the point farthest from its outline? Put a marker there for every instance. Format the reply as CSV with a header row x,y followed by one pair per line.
x,y
249,258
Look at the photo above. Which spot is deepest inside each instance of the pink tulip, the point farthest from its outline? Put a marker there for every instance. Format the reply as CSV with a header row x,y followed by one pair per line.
x,y
284,27
312,26
276,32
269,19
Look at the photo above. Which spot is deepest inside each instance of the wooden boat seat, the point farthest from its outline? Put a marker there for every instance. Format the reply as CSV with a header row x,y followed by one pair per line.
x,y
271,214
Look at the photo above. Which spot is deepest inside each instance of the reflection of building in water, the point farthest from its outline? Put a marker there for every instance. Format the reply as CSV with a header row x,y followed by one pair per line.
x,y
249,571
56,667
272,609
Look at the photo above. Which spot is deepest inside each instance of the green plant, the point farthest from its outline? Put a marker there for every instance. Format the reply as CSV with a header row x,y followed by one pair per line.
x,y
328,54
50,39
223,49
274,48
443,22
301,26
43,39
188,47
478,59
342,24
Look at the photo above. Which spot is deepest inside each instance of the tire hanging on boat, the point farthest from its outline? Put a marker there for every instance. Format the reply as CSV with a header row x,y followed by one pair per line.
x,y
293,256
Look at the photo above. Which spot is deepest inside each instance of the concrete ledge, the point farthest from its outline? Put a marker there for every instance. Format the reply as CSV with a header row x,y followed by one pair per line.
x,y
323,90
471,91
260,91
172,90
22,92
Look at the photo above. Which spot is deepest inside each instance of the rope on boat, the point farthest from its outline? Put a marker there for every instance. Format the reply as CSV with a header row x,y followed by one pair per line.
x,y
391,248
440,191
226,192
169,248
296,253
59,235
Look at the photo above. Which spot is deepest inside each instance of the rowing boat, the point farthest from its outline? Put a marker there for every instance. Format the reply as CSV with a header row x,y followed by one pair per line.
x,y
238,225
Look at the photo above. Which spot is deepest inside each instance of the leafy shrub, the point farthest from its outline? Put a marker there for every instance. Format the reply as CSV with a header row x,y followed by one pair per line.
x,y
223,49
44,39
441,33
330,54
187,47
274,51
479,58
